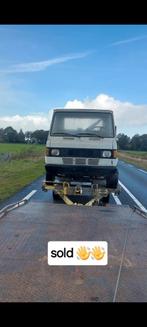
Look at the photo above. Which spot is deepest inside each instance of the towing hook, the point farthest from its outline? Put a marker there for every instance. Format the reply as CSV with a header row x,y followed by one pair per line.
x,y
66,185
78,189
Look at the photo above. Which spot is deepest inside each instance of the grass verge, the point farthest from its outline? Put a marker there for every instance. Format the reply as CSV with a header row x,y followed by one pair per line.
x,y
137,158
25,165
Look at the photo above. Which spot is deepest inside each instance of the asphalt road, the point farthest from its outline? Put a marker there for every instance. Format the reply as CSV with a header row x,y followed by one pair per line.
x,y
133,183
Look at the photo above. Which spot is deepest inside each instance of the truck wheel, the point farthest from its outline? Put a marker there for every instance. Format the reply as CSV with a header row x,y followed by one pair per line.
x,y
49,177
106,199
55,196
112,182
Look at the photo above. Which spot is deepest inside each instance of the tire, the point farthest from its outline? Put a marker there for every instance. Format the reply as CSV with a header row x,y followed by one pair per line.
x,y
55,196
49,177
112,182
106,199
112,185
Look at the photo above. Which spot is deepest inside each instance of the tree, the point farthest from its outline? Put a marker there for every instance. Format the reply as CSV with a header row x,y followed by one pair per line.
x,y
40,136
10,135
143,142
123,142
21,137
135,142
1,135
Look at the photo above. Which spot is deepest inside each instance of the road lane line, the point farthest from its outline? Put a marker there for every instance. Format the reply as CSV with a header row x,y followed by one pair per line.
x,y
133,197
27,197
143,171
116,199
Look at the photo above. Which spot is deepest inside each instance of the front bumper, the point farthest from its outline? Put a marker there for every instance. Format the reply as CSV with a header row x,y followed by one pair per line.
x,y
82,172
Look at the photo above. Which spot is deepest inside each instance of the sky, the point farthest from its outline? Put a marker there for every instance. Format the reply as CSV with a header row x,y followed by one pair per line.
x,y
73,66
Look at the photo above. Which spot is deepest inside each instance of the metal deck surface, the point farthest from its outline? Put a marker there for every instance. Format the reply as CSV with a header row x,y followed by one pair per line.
x,y
25,275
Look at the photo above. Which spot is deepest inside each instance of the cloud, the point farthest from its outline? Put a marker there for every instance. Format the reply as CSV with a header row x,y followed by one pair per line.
x,y
130,118
127,114
42,65
27,123
134,39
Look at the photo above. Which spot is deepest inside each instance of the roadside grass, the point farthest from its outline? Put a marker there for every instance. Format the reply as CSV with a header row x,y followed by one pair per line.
x,y
20,149
25,165
136,154
137,158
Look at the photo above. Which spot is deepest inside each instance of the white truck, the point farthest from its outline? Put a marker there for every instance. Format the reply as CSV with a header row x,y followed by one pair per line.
x,y
81,146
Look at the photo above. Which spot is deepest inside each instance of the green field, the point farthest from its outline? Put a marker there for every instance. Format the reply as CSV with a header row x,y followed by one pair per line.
x,y
20,164
137,158
136,154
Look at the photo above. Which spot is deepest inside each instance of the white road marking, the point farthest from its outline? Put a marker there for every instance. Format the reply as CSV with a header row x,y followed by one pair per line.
x,y
27,197
133,197
116,199
143,171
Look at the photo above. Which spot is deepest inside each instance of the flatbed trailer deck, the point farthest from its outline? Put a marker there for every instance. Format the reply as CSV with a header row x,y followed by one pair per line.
x,y
25,275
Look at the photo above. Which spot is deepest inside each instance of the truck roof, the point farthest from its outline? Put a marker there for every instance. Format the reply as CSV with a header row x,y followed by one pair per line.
x,y
79,110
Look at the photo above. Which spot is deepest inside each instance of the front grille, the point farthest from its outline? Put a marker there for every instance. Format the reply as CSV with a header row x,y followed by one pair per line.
x,y
79,153
93,162
80,161
67,161
72,161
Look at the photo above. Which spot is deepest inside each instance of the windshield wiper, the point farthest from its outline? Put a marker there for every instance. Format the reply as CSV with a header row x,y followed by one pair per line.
x,y
78,134
88,134
64,134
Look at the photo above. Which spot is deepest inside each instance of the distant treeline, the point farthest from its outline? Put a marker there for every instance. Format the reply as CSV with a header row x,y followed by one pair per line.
x,y
137,142
10,135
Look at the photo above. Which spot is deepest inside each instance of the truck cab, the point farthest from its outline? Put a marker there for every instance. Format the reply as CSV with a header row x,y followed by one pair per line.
x,y
81,145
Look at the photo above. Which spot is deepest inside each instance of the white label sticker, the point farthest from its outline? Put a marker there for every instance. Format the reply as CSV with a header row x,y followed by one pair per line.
x,y
72,253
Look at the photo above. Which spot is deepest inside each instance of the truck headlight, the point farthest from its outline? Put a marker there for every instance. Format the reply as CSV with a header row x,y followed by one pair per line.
x,y
55,152
106,154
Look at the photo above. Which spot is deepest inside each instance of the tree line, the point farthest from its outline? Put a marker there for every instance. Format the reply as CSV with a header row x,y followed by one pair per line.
x,y
137,142
10,135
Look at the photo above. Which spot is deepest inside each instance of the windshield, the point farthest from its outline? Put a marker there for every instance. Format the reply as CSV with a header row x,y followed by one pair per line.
x,y
83,124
